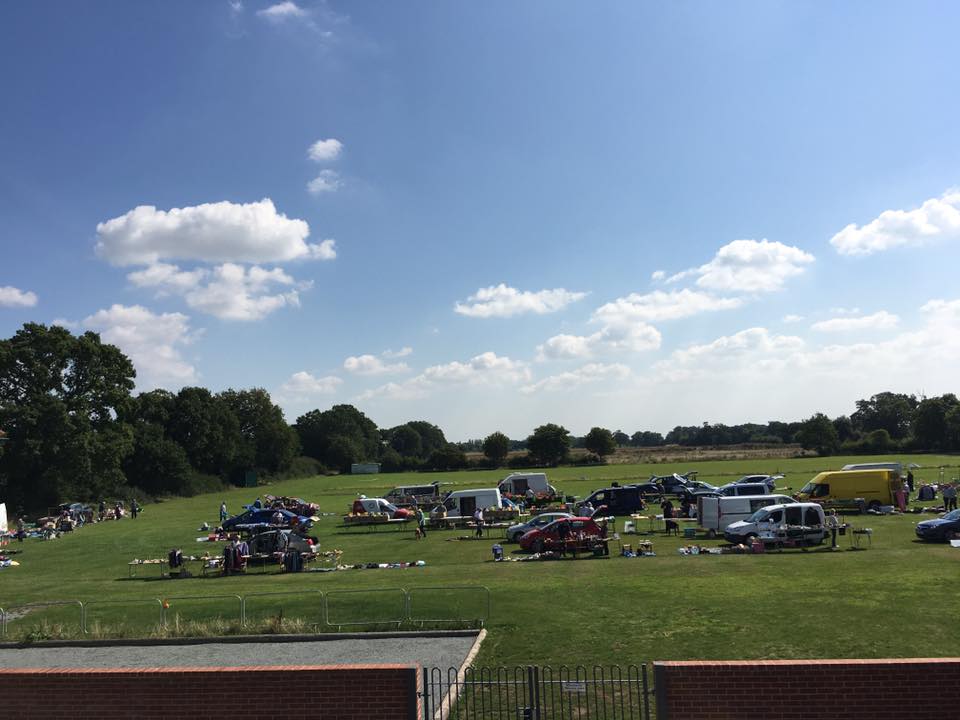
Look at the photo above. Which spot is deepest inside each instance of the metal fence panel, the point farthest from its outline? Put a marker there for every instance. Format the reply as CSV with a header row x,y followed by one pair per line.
x,y
263,604
23,612
213,607
153,609
365,607
537,693
448,604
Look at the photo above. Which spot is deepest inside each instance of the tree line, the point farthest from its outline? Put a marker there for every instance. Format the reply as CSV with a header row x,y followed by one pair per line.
x,y
72,429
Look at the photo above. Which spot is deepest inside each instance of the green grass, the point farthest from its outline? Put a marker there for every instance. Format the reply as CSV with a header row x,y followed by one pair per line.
x,y
898,599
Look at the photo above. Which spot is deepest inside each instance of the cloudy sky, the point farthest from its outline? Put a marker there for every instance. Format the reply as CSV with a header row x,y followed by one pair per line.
x,y
493,215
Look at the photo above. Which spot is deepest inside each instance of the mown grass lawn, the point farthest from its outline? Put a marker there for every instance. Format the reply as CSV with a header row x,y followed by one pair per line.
x,y
897,599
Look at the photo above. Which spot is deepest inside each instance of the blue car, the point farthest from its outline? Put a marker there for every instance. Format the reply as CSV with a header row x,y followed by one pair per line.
x,y
257,516
945,527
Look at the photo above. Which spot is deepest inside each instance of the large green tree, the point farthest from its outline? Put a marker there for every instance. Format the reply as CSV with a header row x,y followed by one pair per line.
x,y
208,431
930,421
888,411
270,444
818,433
549,444
62,399
496,447
338,434
600,441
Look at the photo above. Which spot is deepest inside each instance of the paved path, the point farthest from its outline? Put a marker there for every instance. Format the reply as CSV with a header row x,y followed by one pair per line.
x,y
443,652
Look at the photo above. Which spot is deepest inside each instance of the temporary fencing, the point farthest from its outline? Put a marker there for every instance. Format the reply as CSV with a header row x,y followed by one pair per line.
x,y
329,609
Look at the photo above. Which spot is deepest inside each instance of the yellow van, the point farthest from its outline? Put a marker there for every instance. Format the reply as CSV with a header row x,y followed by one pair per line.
x,y
851,489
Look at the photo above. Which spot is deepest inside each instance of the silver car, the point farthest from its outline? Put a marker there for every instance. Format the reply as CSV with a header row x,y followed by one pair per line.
x,y
515,532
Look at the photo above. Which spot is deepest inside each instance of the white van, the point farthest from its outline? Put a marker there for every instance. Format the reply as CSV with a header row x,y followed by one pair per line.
x,y
462,503
715,513
523,483
798,521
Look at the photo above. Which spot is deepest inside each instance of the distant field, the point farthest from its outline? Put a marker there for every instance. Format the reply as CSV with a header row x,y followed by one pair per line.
x,y
898,598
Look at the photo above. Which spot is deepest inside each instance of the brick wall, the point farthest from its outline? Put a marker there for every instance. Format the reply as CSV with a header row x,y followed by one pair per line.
x,y
333,692
808,689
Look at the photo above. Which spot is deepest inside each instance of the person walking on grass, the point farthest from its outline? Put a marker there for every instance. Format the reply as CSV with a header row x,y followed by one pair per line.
x,y
421,522
223,512
134,509
478,519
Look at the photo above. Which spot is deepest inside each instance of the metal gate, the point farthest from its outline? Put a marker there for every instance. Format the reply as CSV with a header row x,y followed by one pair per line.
x,y
537,693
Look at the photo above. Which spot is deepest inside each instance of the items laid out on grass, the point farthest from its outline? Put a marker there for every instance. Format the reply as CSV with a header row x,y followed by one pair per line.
x,y
6,561
644,549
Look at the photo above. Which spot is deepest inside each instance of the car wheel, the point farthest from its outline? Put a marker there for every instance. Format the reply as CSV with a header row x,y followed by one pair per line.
x,y
711,534
952,535
875,505
538,545
751,537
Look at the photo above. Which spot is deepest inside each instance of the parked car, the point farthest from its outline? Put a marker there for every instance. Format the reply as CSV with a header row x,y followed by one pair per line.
x,y
622,499
736,489
255,516
379,506
411,495
769,480
673,484
515,532
946,527
716,513
273,541
548,537
851,489
526,485
806,519
698,488
463,503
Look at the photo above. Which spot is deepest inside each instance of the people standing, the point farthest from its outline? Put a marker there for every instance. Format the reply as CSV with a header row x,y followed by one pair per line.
x,y
669,526
949,497
101,511
223,511
21,529
478,519
910,480
421,522
134,509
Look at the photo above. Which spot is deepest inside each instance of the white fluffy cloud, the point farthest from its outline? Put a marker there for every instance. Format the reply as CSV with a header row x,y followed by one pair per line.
x,y
325,150
238,293
484,369
213,232
658,275
394,354
168,278
325,181
282,11
229,291
372,365
659,306
749,266
751,350
504,301
304,384
152,342
14,297
590,373
936,219
792,318
881,320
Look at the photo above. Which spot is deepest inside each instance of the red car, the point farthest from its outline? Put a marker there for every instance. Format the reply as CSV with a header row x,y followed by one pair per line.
x,y
579,532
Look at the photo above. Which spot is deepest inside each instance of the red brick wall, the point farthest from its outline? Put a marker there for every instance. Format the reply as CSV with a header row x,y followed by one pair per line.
x,y
333,692
808,689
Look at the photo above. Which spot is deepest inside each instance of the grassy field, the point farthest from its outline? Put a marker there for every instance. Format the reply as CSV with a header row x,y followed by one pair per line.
x,y
899,598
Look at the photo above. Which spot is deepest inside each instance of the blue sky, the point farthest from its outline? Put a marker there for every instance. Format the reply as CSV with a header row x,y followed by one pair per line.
x,y
492,215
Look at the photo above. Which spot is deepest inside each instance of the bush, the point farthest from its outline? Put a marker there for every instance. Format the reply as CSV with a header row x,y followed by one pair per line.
x,y
199,484
519,462
301,467
587,459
